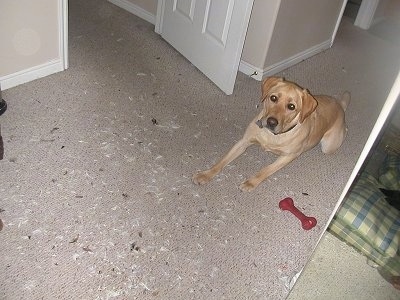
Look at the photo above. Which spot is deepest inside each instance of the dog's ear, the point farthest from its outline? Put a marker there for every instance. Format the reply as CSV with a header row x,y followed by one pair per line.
x,y
267,84
308,105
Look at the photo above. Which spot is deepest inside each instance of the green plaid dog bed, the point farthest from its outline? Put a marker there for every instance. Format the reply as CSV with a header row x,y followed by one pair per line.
x,y
367,222
390,173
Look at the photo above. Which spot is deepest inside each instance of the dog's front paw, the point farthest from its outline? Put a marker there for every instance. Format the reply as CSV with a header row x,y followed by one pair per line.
x,y
202,177
248,185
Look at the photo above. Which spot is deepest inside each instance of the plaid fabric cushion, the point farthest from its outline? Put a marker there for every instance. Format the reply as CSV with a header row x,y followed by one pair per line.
x,y
390,173
347,234
366,213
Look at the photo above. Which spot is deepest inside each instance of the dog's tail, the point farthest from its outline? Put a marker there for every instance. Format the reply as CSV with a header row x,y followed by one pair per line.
x,y
345,100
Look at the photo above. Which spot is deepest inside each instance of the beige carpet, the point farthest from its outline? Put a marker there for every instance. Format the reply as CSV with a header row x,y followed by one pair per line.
x,y
96,196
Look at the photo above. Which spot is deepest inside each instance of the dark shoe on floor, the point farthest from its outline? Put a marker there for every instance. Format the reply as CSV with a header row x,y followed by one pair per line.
x,y
3,106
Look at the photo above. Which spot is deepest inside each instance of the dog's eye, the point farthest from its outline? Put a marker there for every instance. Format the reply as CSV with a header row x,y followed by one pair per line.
x,y
273,98
291,106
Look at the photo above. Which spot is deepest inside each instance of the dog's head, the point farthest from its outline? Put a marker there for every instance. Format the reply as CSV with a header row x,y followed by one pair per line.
x,y
285,105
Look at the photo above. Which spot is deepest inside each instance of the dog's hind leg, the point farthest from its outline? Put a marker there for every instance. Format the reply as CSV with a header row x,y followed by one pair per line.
x,y
205,176
345,100
333,138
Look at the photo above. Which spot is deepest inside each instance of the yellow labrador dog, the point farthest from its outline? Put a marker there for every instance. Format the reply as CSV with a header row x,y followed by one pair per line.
x,y
291,122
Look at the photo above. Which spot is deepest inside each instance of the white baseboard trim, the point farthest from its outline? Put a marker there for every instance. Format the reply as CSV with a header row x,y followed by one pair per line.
x,y
251,71
259,74
135,9
30,74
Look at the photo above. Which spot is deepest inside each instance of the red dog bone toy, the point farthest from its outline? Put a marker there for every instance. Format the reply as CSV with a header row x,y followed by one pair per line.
x,y
306,222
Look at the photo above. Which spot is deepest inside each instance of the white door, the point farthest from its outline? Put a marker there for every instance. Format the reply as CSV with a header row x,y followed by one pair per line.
x,y
209,33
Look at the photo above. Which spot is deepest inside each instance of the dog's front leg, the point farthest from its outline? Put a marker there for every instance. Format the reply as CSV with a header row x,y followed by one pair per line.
x,y
265,172
205,176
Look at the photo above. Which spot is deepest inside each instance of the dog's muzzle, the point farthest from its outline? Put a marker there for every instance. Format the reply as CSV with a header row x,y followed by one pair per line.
x,y
270,123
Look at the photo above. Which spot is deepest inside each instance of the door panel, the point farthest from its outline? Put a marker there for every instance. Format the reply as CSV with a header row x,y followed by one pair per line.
x,y
210,34
217,19
185,8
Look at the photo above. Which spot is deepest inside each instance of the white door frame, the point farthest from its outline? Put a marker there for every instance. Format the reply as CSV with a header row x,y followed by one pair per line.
x,y
366,13
63,29
159,16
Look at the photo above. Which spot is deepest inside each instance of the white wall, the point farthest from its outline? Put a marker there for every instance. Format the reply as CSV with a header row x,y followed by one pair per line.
x,y
145,9
392,10
148,5
301,25
284,32
387,9
31,40
259,32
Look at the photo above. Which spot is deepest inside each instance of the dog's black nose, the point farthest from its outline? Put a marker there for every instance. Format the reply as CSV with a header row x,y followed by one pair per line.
x,y
272,122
